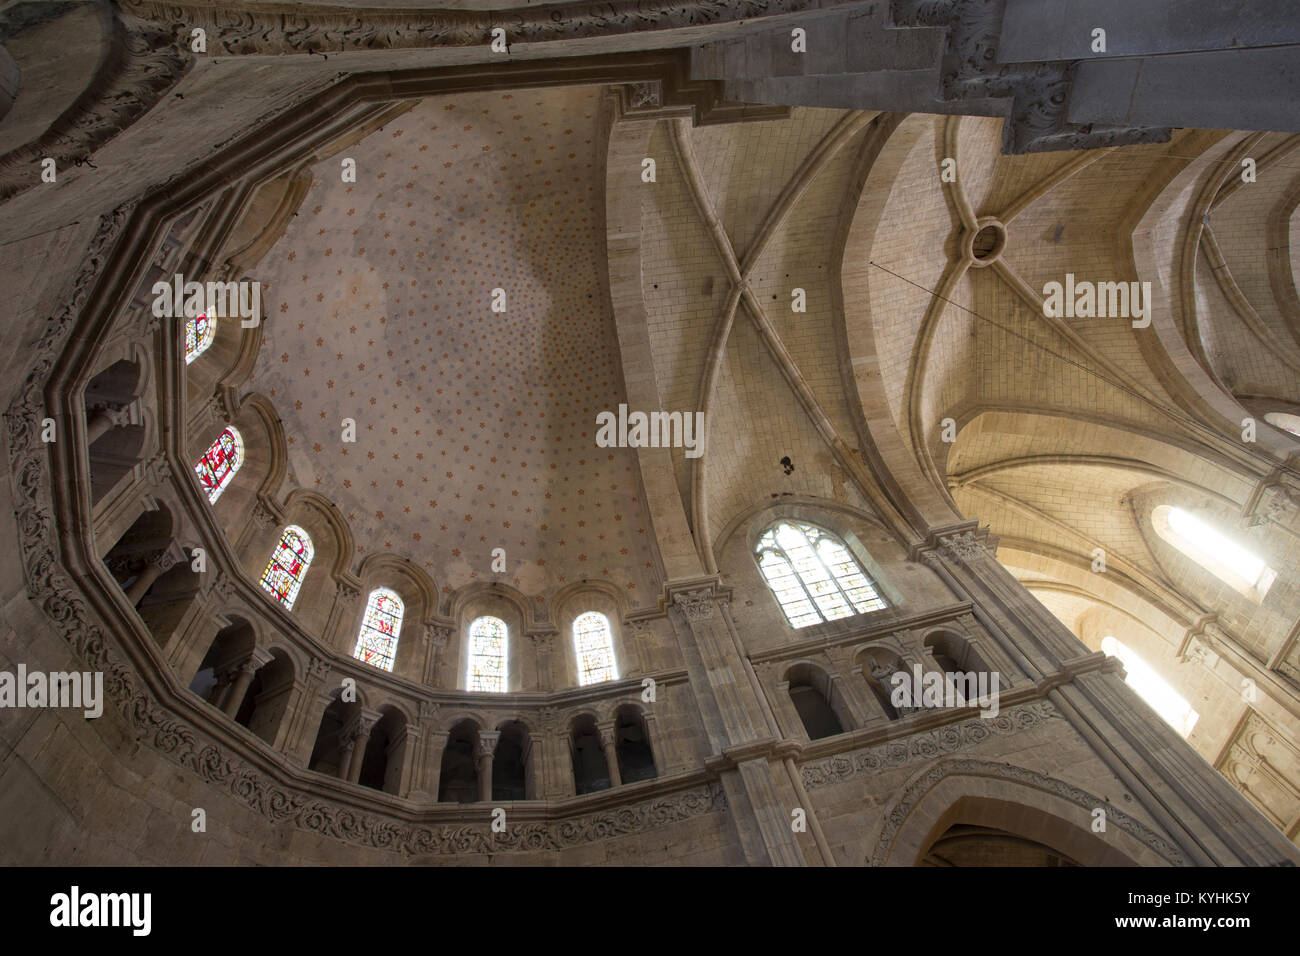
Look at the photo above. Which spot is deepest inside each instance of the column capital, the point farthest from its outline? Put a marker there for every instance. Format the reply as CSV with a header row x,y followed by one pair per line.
x,y
168,557
438,633
428,710
697,598
487,743
960,543
543,640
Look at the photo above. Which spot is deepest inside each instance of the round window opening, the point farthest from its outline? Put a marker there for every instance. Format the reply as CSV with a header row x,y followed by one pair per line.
x,y
988,242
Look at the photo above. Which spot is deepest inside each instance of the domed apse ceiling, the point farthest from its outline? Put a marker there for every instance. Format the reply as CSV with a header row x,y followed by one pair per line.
x,y
475,429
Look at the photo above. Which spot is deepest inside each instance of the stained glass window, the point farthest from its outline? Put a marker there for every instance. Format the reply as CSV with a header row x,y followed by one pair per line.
x,y
488,637
199,333
377,642
288,565
813,576
220,462
594,645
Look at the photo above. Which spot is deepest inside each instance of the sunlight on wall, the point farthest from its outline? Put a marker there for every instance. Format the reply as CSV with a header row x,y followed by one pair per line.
x,y
1153,688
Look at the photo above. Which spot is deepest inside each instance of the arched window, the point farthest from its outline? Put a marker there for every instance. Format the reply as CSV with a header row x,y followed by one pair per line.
x,y
1153,688
594,647
1285,421
380,628
199,333
813,575
488,639
288,565
1214,551
220,462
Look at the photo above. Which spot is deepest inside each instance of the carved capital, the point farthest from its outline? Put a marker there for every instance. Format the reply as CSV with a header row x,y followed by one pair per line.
x,y
964,547
549,719
222,591
160,472
428,709
697,605
1200,652
439,634
169,557
487,744
263,518
318,668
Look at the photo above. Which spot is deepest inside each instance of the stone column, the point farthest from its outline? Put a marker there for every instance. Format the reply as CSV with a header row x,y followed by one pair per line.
x,y
403,755
436,639
347,746
104,419
608,743
435,742
792,724
244,673
155,568
848,691
343,615
365,724
543,648
534,759
553,771
305,717
483,752
735,715
425,754
664,761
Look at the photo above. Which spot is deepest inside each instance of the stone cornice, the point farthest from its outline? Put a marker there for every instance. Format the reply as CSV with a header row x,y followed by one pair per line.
x,y
284,29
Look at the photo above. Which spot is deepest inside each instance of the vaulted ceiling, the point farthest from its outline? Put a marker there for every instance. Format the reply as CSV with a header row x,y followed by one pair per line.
x,y
474,427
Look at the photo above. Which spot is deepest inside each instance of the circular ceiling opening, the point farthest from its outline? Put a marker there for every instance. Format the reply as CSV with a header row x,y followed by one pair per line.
x,y
987,243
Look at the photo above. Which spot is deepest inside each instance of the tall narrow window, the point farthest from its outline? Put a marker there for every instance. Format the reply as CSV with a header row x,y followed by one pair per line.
x,y
1153,688
380,628
288,565
199,333
594,646
813,575
488,638
220,462
1214,551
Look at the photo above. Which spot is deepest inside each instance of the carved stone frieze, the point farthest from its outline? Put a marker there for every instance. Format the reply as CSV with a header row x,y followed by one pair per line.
x,y
925,745
150,58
